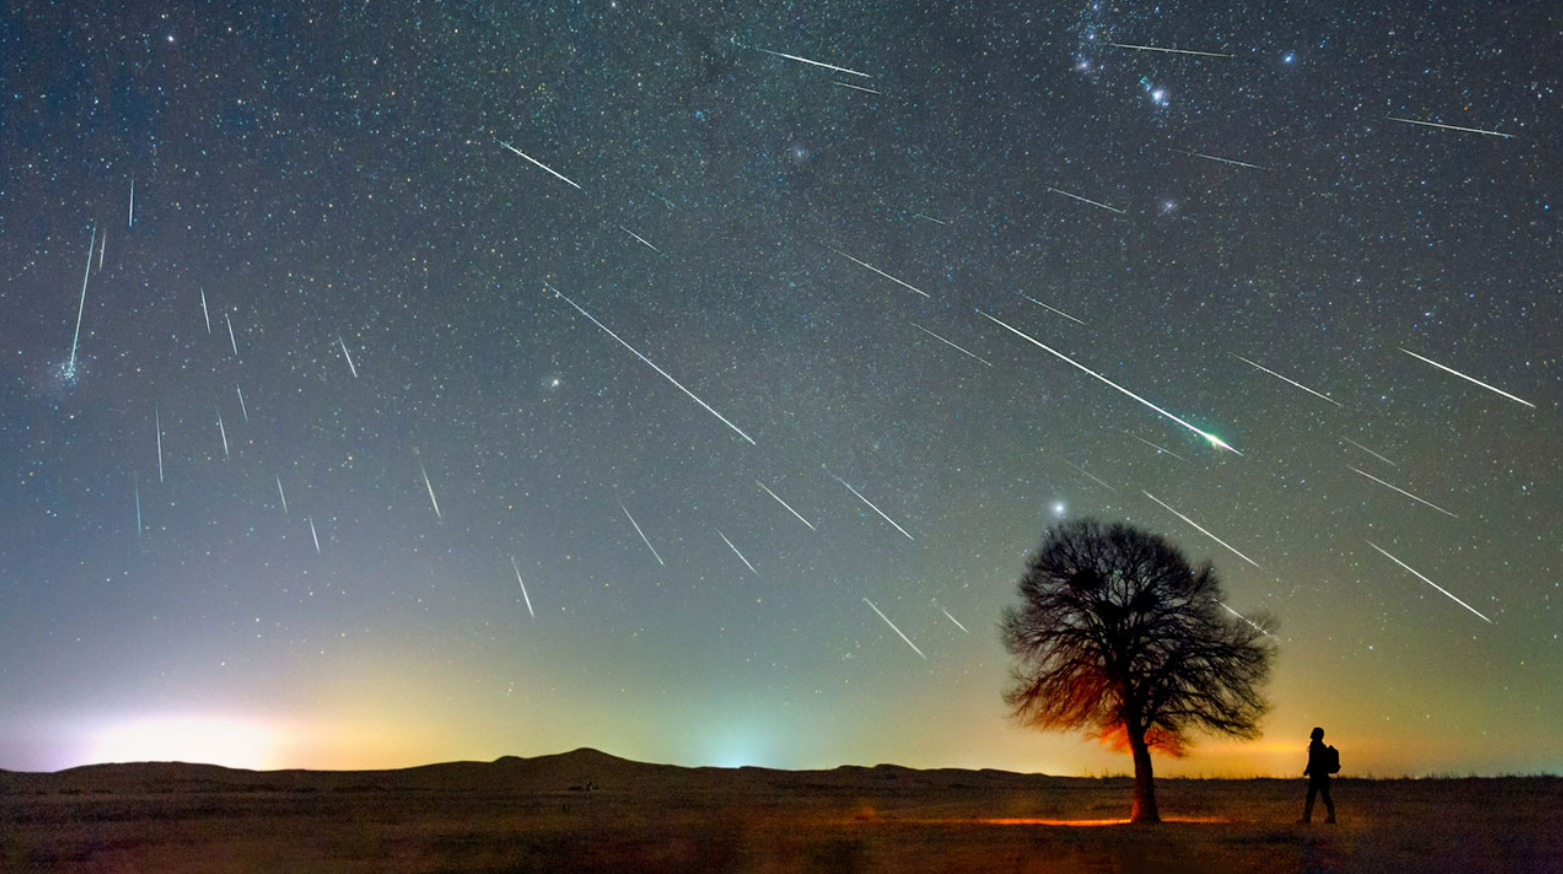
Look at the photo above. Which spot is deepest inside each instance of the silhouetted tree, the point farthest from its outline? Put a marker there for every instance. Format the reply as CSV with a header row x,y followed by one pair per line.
x,y
1117,634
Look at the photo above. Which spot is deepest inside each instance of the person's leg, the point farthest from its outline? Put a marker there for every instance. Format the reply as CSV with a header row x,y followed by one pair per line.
x,y
1313,788
1329,803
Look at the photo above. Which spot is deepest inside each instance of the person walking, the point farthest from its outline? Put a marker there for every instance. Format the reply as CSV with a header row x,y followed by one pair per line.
x,y
1323,761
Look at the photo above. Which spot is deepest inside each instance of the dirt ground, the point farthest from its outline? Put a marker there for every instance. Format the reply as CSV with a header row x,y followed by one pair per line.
x,y
866,821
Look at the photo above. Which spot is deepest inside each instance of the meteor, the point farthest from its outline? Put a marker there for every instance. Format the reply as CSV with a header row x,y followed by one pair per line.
x,y
1124,45
872,507
282,495
103,248
856,87
664,373
926,217
1467,378
347,355
1154,446
1285,379
640,238
313,536
1093,477
137,480
1469,130
131,221
803,60
1088,200
1257,627
953,619
1428,581
1404,492
1202,530
222,431
785,504
737,553
1370,452
1213,439
205,313
524,595
877,270
896,630
539,163
1051,309
430,486
644,539
1225,160
242,408
70,369
231,341
157,424
950,344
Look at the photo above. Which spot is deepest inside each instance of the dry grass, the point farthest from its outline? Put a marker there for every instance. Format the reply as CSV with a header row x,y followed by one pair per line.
x,y
866,821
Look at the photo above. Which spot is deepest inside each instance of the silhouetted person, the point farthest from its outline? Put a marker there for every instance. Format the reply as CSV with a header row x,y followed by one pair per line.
x,y
1322,762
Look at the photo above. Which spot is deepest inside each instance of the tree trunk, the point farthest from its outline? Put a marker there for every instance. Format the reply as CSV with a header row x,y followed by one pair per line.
x,y
1144,781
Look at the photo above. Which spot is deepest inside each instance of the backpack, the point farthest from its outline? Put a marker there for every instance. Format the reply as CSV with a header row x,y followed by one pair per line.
x,y
1331,760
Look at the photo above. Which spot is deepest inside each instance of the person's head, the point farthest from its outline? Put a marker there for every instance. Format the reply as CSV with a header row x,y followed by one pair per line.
x,y
1318,734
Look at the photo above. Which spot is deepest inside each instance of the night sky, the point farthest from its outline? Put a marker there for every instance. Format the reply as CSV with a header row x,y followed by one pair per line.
x,y
1246,240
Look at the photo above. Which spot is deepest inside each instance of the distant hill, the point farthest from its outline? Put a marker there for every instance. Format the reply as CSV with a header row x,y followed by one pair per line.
x,y
564,772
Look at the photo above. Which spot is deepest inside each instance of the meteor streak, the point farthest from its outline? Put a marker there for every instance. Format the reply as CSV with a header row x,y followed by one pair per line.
x,y
231,341
243,409
1467,378
665,374
640,238
877,270
872,507
313,536
1225,160
1370,452
857,88
524,595
222,431
785,504
539,163
1404,492
103,248
1124,45
1285,379
137,480
1257,627
1093,477
430,486
896,630
953,619
1154,446
157,424
644,539
920,215
205,313
1052,309
1428,581
952,345
803,60
1469,130
737,553
1201,530
1088,200
1213,439
347,355
70,369
283,496
131,221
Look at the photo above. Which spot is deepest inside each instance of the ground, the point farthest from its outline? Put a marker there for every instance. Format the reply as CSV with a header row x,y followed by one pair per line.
x,y
753,820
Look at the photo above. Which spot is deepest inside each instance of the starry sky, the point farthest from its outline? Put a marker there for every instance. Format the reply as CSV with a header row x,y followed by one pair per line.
x,y
733,360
